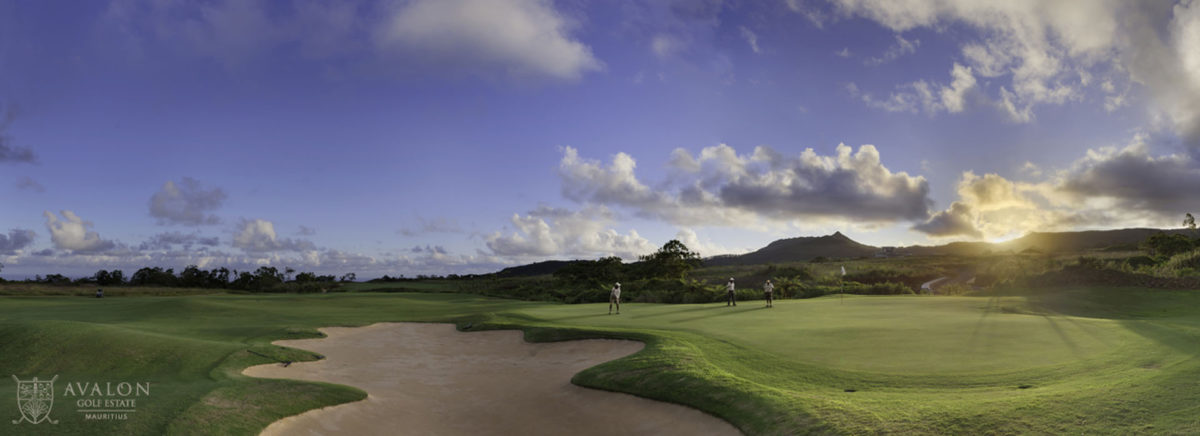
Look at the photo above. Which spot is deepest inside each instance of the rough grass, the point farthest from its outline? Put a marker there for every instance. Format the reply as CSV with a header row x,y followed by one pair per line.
x,y
1091,360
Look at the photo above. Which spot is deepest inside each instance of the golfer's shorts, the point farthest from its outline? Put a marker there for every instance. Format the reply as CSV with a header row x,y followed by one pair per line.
x,y
767,295
614,299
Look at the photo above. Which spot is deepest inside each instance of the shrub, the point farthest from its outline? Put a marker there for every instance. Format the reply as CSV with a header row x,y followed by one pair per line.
x,y
1181,265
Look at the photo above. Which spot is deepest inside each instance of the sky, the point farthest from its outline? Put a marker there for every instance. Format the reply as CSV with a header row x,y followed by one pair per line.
x,y
462,136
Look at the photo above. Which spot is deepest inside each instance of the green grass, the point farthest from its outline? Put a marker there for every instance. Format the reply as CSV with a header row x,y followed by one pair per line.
x,y
1095,361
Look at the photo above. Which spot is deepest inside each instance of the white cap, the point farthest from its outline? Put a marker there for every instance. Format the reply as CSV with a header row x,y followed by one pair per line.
x,y
618,284
731,279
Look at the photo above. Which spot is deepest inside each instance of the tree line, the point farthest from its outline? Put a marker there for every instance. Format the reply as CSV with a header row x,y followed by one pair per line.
x,y
263,279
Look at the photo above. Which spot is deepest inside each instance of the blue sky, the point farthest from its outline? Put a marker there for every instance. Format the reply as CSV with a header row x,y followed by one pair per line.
x,y
455,136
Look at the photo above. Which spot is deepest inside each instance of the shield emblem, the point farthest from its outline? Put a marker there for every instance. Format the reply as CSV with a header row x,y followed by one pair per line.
x,y
34,400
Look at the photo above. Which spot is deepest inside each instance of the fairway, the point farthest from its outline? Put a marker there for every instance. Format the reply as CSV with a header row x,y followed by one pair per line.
x,y
1110,361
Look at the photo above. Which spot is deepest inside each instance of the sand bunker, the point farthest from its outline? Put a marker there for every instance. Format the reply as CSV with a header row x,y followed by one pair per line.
x,y
426,379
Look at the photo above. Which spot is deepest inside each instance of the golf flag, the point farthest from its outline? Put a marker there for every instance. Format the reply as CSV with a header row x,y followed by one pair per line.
x,y
843,270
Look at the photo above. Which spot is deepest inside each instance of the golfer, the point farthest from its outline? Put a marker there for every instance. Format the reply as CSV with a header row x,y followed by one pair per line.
x,y
614,297
729,293
768,290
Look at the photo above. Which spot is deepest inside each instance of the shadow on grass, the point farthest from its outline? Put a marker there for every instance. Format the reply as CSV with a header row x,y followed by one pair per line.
x,y
590,315
719,311
1062,335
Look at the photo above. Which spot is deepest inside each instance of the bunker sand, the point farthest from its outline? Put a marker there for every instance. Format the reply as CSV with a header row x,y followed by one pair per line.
x,y
431,379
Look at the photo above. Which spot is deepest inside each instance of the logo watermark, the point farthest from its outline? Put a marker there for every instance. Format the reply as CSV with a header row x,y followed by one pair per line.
x,y
35,398
94,401
108,400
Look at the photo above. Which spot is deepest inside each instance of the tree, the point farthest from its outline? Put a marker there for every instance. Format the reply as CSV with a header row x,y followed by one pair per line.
x,y
1167,245
287,274
1189,221
673,260
348,277
193,277
592,272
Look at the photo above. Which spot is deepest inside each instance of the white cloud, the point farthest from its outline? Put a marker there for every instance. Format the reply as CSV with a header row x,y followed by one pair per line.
x,y
526,37
186,203
751,38
953,97
721,187
1168,63
1037,46
1108,187
558,232
705,247
72,233
258,236
921,96
520,37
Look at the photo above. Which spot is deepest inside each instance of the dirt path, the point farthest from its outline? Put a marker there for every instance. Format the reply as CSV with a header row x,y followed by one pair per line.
x,y
928,286
964,277
425,379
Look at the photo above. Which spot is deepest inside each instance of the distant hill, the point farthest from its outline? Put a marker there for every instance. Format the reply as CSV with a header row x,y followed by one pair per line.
x,y
798,249
1080,241
838,245
534,269
1050,242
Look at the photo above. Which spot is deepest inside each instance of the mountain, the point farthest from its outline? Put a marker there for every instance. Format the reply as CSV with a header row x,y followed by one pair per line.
x,y
534,269
1088,240
798,249
838,245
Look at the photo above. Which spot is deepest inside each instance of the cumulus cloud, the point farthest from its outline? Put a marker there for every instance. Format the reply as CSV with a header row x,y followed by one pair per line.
x,y
168,240
1108,187
721,187
16,239
526,37
1168,63
921,96
1037,47
1040,52
705,247
258,236
186,203
551,231
991,206
72,233
1132,179
958,220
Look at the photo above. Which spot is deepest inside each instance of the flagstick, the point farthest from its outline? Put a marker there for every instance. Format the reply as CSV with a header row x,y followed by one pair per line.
x,y
842,286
